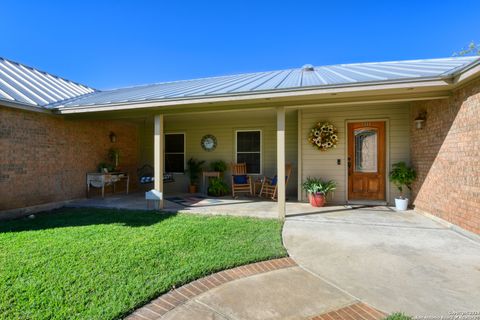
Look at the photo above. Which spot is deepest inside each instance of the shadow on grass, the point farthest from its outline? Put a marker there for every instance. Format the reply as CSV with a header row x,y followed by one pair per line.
x,y
76,217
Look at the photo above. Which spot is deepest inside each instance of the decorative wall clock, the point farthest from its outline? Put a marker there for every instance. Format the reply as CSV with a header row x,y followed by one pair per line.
x,y
209,142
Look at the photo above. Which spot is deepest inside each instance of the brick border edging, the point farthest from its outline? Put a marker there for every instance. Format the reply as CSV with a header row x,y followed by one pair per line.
x,y
357,310
176,297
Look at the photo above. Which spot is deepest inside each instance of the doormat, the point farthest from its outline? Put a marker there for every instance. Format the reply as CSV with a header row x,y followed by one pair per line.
x,y
187,201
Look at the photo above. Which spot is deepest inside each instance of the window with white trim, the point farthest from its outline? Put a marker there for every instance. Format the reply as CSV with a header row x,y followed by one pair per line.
x,y
175,152
248,148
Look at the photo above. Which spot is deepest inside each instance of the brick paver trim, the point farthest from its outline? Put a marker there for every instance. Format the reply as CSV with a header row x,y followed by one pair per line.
x,y
355,311
176,297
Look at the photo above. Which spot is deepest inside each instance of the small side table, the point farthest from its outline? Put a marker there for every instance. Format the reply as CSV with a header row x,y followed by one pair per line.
x,y
205,176
257,186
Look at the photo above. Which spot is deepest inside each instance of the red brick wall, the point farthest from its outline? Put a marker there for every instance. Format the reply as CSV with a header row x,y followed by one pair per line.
x,y
446,155
44,158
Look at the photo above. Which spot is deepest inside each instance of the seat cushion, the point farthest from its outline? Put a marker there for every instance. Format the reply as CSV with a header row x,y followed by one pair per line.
x,y
240,179
274,181
146,179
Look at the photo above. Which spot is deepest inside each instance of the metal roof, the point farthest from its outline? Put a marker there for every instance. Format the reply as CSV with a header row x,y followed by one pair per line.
x,y
301,78
25,85
29,86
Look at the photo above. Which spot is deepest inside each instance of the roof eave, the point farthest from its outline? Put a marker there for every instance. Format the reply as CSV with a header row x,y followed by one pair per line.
x,y
445,82
24,106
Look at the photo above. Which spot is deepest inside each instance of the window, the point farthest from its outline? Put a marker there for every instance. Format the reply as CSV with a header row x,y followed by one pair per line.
x,y
365,150
249,150
175,152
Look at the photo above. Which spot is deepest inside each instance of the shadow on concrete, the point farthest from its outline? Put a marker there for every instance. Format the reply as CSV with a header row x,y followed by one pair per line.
x,y
346,208
78,217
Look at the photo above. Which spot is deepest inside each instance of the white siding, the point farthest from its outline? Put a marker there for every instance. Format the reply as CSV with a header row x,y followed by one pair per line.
x,y
316,163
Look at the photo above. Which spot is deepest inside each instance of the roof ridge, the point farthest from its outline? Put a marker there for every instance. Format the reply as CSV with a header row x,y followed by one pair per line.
x,y
282,70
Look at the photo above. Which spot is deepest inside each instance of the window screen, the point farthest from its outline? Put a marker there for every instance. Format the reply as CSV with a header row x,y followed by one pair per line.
x,y
175,152
248,150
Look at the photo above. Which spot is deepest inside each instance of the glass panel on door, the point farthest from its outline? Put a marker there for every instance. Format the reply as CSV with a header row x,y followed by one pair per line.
x,y
365,150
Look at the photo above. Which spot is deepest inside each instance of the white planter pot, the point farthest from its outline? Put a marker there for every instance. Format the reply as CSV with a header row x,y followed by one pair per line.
x,y
401,204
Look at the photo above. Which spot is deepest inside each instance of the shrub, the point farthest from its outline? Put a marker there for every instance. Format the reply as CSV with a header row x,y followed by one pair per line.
x,y
217,187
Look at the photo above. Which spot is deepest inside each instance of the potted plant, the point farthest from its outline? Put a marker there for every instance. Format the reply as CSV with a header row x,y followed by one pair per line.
x,y
194,167
217,187
219,166
318,190
402,175
114,157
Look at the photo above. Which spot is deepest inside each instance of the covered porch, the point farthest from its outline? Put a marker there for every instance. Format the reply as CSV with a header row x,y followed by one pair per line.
x,y
168,141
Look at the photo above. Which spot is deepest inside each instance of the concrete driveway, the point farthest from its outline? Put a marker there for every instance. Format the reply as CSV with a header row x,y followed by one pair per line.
x,y
392,261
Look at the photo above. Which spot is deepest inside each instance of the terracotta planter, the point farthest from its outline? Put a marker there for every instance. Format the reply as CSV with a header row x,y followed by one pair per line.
x,y
192,189
316,200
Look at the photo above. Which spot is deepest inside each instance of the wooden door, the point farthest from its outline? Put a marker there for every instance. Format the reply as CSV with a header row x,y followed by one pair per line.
x,y
366,160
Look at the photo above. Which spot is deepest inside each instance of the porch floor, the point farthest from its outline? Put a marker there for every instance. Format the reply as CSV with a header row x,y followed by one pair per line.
x,y
200,204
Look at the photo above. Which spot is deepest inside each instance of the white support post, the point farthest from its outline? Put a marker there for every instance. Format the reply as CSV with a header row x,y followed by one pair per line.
x,y
158,155
281,162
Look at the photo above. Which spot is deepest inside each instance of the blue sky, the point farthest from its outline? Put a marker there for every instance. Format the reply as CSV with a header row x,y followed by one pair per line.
x,y
108,44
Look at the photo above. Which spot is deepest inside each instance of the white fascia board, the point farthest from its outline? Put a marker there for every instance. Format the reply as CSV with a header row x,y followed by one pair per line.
x,y
304,93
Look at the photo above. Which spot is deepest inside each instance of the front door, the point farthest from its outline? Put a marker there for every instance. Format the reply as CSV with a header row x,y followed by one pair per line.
x,y
366,160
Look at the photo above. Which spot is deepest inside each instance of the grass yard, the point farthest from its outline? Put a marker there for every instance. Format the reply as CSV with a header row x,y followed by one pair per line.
x,y
102,264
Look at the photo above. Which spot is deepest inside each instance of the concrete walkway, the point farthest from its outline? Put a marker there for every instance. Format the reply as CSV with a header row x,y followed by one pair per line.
x,y
391,261
275,289
199,204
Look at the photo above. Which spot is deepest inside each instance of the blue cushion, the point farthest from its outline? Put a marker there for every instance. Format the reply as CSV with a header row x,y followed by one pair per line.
x,y
274,180
146,179
240,179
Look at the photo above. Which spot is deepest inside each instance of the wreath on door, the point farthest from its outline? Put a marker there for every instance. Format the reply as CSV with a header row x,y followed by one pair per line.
x,y
323,136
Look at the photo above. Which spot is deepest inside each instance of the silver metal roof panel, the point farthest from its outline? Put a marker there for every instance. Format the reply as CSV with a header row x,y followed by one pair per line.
x,y
26,85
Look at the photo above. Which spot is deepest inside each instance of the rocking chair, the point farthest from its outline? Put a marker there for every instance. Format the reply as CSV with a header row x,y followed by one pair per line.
x,y
241,182
269,185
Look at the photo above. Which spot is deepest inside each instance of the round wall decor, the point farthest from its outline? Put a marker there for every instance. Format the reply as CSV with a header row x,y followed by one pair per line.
x,y
324,136
208,142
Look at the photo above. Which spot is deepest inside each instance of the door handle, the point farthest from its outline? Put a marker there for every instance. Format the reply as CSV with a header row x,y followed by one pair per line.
x,y
349,164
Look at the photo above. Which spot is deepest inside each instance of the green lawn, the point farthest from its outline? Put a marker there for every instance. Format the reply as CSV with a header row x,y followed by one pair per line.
x,y
102,264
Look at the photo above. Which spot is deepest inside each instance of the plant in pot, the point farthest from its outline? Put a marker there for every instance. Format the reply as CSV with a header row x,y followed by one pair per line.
x,y
114,157
318,190
217,187
219,166
402,175
194,167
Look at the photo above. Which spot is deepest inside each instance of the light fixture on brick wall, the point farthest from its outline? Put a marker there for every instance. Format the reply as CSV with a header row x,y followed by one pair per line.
x,y
113,137
422,116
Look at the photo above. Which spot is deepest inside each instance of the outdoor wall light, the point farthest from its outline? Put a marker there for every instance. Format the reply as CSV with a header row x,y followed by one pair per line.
x,y
113,137
422,116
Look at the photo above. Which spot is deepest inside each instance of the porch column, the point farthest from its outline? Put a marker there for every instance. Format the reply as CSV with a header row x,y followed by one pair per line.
x,y
281,162
158,155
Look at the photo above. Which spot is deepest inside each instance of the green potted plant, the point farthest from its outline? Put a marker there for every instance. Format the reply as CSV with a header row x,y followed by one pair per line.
x,y
114,157
219,166
318,190
217,187
194,167
402,175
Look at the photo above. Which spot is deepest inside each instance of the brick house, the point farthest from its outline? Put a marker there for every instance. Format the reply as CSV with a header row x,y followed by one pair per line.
x,y
53,131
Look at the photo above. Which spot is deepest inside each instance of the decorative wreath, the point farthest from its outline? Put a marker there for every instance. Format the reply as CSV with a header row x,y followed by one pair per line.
x,y
324,136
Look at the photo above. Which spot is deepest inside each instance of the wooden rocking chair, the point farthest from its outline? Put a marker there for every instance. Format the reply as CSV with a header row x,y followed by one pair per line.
x,y
241,182
269,185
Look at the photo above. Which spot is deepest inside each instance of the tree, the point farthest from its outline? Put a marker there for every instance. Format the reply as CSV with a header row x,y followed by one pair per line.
x,y
473,49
